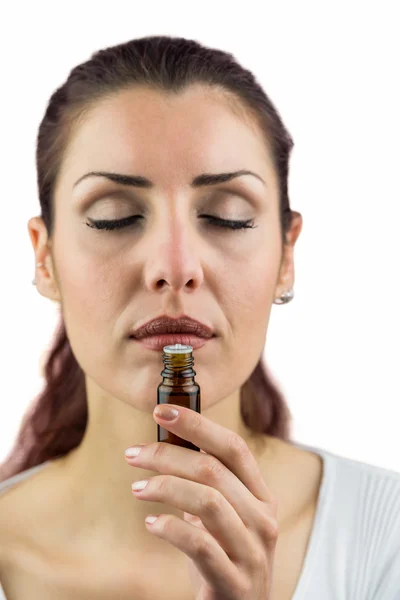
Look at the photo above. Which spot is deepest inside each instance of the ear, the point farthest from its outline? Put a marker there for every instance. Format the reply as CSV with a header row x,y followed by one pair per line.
x,y
286,274
46,281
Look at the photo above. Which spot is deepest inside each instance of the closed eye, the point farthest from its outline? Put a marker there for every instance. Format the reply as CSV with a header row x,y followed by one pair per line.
x,y
110,225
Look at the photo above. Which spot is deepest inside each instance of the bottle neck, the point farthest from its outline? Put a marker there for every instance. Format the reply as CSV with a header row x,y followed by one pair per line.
x,y
178,369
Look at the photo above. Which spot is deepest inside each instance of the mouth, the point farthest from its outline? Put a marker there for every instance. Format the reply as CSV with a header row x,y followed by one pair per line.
x,y
157,342
166,331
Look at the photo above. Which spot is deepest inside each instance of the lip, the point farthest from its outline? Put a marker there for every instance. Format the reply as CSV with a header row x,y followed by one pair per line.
x,y
157,342
165,325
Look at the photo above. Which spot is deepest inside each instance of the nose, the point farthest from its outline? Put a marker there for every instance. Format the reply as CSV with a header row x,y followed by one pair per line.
x,y
174,260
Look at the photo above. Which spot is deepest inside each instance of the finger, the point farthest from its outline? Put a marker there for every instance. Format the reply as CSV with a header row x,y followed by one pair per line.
x,y
194,520
210,559
217,515
205,469
227,446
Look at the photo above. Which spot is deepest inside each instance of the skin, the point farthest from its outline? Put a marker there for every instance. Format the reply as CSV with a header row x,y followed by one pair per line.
x,y
173,262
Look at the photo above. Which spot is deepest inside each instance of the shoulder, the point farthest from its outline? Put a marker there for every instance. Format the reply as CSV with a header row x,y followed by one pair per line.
x,y
377,491
363,523
379,501
370,483
22,502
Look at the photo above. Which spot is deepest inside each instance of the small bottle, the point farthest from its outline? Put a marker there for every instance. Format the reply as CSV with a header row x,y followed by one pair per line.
x,y
178,387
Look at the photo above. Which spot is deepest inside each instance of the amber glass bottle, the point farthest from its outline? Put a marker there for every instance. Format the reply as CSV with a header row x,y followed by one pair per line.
x,y
178,387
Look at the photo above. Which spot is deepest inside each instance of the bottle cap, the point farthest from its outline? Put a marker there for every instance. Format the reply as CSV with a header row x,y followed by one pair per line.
x,y
178,349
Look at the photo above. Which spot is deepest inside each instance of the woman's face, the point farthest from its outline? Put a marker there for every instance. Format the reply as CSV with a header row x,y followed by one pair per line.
x,y
172,261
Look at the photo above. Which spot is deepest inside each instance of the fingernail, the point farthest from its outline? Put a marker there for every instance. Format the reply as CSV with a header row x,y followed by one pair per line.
x,y
137,486
151,518
166,412
132,452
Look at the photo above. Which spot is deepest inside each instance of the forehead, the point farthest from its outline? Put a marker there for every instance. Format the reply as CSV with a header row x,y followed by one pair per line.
x,y
168,137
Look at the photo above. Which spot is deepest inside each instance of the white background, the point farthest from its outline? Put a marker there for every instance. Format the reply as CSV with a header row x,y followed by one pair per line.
x,y
332,70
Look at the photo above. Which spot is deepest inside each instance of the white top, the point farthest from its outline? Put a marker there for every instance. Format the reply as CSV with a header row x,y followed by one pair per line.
x,y
354,549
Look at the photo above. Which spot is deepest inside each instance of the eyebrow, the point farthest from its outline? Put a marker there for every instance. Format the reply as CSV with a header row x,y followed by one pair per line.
x,y
143,182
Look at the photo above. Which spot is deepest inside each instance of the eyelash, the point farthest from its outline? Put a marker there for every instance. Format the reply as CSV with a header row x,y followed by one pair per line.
x,y
110,225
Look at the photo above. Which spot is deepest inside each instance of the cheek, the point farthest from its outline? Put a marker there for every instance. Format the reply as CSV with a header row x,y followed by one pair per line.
x,y
248,289
91,302
92,309
90,278
87,289
248,297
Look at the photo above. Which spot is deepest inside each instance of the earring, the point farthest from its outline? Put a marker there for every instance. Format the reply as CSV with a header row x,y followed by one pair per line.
x,y
285,297
38,265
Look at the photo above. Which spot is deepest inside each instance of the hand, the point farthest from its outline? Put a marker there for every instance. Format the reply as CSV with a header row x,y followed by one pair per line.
x,y
230,528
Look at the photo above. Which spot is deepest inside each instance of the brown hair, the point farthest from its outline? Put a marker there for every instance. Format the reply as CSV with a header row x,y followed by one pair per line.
x,y
55,422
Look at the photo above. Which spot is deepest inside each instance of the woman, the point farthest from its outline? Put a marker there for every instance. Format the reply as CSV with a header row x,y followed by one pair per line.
x,y
162,171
